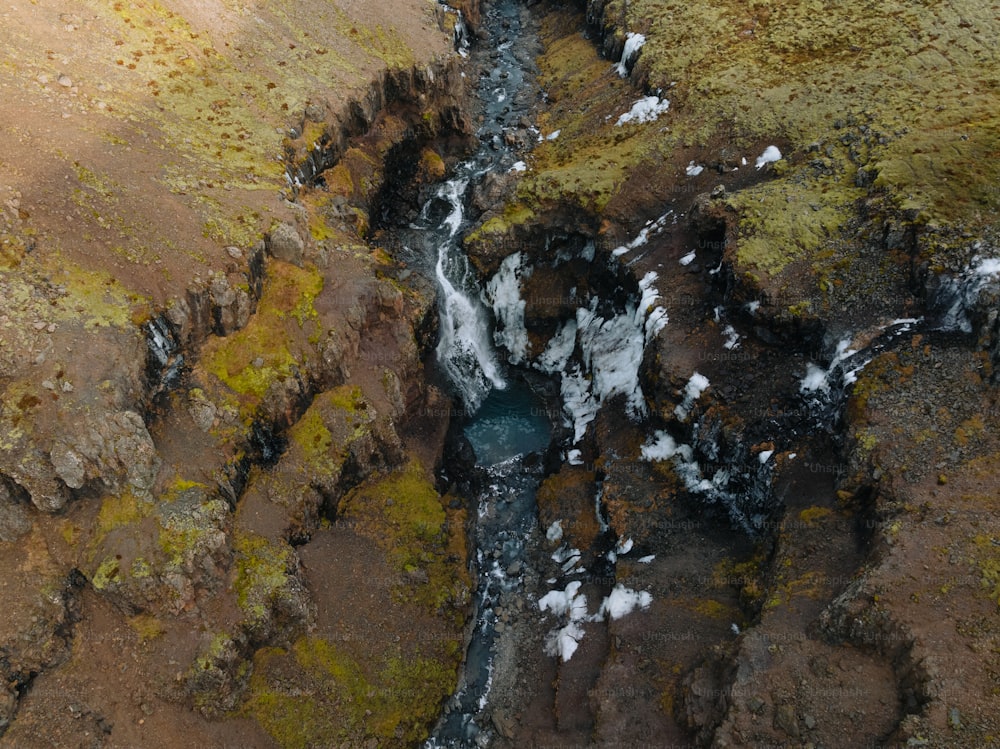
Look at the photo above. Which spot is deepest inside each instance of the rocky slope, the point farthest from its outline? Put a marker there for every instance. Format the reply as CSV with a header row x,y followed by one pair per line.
x,y
218,439
811,189
218,510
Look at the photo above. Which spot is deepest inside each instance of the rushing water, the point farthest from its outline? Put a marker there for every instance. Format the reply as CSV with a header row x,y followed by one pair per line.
x,y
505,422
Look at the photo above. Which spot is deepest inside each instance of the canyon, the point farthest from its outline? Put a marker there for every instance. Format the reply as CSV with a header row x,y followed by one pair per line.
x,y
606,373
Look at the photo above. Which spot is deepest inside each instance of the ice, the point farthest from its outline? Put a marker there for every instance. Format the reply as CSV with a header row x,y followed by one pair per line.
x,y
559,349
503,292
633,43
624,546
555,531
646,559
519,166
689,258
578,401
563,641
752,307
765,456
661,447
646,109
653,227
574,458
770,155
693,170
692,392
987,267
553,135
623,601
732,338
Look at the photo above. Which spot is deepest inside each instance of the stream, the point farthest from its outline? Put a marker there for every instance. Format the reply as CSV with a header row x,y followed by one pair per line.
x,y
504,421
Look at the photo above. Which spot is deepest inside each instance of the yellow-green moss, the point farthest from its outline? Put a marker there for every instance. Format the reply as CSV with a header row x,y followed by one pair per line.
x,y
406,517
121,509
813,515
255,357
261,573
146,626
389,697
106,574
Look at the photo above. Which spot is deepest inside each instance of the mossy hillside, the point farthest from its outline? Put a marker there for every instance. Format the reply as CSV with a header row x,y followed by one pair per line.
x,y
140,546
922,77
275,344
321,439
267,588
405,516
316,692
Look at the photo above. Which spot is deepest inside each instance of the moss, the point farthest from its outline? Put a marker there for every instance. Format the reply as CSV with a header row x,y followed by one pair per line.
x,y
813,515
106,574
406,517
258,355
121,509
389,697
147,627
263,570
432,168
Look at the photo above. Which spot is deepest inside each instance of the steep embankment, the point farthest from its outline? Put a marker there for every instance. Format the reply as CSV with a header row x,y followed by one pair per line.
x,y
217,442
814,189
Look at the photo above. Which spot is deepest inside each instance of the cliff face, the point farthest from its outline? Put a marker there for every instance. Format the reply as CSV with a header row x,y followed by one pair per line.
x,y
809,187
215,418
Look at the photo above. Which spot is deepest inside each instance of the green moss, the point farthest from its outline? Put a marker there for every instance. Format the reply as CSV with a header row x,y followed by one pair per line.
x,y
119,510
405,516
106,574
148,627
258,355
390,697
262,574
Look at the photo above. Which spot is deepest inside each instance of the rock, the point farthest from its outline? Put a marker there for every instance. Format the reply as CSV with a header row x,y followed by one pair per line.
x,y
68,466
786,720
15,521
504,724
809,721
65,81
285,243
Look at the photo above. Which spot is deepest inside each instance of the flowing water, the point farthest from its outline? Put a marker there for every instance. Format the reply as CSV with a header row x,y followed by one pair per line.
x,y
504,421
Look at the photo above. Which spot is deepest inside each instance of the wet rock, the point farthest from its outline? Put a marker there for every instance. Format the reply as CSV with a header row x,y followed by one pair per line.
x,y
285,243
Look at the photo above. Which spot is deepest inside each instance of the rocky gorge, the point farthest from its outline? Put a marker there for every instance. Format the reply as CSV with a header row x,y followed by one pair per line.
x,y
735,267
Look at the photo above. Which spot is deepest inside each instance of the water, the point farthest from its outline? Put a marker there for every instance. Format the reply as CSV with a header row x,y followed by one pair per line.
x,y
506,423
511,422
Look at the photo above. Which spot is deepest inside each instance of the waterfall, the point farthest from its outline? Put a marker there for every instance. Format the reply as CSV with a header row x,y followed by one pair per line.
x,y
465,348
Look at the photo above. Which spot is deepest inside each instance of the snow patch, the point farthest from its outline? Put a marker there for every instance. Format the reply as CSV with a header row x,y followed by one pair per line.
x,y
770,155
555,531
689,258
623,601
519,166
646,109
693,170
692,392
503,292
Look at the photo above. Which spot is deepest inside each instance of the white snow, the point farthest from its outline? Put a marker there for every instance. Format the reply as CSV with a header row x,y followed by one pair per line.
x,y
574,458
752,307
653,227
578,401
623,601
987,267
689,258
519,166
692,392
563,641
503,292
646,109
646,559
818,379
764,456
553,135
559,349
770,155
693,170
624,546
633,43
661,446
732,338
555,531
